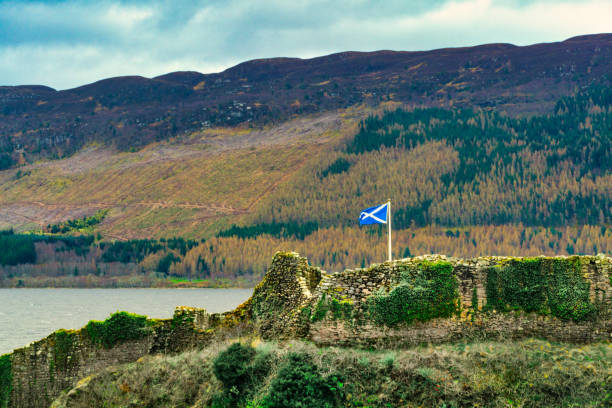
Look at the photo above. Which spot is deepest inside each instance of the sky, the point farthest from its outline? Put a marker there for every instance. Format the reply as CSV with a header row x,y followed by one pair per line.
x,y
64,44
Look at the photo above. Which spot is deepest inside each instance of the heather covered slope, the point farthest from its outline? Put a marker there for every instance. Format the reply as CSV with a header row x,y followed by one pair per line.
x,y
134,111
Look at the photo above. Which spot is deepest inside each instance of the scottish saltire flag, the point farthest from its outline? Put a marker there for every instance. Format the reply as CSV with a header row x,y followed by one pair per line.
x,y
374,215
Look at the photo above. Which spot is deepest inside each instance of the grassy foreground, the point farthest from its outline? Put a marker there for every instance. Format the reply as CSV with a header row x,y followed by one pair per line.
x,y
529,373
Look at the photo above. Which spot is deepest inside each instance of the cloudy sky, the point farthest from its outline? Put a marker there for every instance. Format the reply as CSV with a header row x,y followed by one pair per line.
x,y
64,44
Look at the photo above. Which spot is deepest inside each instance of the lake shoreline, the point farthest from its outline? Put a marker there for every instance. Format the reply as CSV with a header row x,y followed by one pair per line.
x,y
145,281
30,314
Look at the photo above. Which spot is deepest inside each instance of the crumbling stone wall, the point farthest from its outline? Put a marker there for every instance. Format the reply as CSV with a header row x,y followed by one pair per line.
x,y
283,292
43,369
284,305
288,308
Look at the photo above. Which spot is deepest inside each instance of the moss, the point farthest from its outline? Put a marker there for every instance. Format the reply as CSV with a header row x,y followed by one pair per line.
x,y
6,380
119,327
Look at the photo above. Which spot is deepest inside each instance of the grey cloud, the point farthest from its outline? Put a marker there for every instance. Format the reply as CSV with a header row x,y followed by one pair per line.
x,y
68,43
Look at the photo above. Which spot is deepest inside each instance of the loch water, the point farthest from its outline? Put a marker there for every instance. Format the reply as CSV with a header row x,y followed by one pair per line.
x,y
27,315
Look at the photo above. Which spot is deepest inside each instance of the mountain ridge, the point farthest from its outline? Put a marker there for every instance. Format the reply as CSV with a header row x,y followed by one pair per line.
x,y
132,111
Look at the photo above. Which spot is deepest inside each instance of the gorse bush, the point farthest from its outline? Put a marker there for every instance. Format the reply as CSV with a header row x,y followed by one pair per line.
x,y
231,367
299,384
426,291
239,368
119,327
540,285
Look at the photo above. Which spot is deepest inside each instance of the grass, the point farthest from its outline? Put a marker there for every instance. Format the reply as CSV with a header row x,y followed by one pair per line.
x,y
529,373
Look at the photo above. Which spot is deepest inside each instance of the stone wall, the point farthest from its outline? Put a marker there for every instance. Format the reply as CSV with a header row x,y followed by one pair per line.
x,y
284,305
291,313
45,368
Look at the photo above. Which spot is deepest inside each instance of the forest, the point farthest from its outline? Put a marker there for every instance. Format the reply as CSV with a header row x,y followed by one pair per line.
x,y
462,167
462,182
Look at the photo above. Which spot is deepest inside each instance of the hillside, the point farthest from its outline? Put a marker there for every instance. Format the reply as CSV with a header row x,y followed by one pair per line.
x,y
131,112
465,179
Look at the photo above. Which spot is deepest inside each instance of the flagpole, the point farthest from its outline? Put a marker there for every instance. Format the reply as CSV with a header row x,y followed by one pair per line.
x,y
389,223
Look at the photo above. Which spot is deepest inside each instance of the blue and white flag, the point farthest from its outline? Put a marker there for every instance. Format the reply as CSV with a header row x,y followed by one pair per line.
x,y
374,215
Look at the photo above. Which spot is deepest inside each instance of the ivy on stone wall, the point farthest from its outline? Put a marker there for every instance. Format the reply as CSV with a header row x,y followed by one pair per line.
x,y
6,380
540,285
426,291
524,285
63,357
340,309
119,327
567,290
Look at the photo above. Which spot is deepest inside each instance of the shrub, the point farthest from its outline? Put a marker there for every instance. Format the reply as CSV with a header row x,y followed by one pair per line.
x,y
240,369
119,327
300,385
231,367
6,380
425,292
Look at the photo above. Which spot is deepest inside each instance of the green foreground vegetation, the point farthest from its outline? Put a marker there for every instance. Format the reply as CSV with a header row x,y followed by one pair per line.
x,y
529,373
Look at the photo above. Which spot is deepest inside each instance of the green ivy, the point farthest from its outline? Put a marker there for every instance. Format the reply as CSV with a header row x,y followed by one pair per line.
x,y
568,292
64,346
182,320
6,380
474,301
341,309
426,291
321,309
524,285
119,327
540,285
